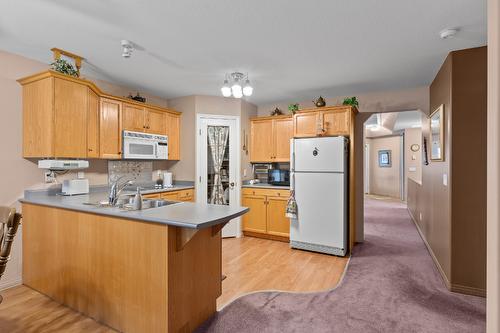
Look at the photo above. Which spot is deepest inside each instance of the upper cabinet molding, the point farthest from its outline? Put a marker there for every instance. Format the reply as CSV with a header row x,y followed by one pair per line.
x,y
50,73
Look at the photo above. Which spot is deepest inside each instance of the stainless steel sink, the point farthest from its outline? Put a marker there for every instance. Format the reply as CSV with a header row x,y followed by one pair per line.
x,y
128,204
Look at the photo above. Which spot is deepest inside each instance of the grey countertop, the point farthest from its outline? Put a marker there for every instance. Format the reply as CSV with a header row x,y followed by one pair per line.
x,y
181,214
262,185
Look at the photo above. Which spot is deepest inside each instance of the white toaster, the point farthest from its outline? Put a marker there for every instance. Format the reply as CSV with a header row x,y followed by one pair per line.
x,y
75,186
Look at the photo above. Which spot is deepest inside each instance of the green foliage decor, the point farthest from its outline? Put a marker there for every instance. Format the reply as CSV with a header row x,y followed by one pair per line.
x,y
63,66
351,101
293,108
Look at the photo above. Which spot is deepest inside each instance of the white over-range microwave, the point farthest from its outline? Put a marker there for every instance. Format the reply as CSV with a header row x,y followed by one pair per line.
x,y
144,146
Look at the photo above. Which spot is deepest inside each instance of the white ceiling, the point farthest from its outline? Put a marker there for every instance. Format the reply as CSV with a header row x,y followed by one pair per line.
x,y
293,50
392,123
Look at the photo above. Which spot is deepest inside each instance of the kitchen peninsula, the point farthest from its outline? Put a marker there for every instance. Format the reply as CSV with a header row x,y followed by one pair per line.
x,y
154,270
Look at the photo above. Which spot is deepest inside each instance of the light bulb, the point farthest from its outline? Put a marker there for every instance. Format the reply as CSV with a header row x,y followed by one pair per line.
x,y
237,91
225,90
247,89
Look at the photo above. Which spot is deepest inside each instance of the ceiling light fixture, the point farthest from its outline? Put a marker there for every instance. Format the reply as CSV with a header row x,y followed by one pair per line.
x,y
233,85
448,33
128,47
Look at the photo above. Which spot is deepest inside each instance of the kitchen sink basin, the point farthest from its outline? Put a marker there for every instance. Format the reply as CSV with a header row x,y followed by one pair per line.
x,y
128,204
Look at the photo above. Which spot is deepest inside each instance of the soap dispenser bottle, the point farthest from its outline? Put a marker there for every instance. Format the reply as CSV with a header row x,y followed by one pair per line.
x,y
138,200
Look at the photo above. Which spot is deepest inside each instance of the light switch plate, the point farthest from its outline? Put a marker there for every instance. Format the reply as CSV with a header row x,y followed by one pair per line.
x,y
445,179
244,172
412,169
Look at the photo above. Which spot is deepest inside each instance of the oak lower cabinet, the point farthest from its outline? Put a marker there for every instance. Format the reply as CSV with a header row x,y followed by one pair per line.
x,y
270,139
176,195
266,218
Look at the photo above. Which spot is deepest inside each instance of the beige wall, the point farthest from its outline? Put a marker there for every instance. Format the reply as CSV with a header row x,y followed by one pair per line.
x,y
385,180
190,106
413,159
374,102
493,284
18,173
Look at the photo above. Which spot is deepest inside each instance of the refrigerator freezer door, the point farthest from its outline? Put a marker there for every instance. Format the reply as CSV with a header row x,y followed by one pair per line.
x,y
321,224
319,154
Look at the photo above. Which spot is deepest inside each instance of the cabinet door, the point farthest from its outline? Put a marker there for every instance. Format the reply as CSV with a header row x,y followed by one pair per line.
x,y
93,125
152,196
255,219
282,133
186,195
110,142
277,223
70,111
305,124
173,133
261,141
156,122
336,122
133,118
174,196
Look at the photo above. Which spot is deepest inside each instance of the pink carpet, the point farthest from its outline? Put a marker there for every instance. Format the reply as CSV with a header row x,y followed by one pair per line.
x,y
391,285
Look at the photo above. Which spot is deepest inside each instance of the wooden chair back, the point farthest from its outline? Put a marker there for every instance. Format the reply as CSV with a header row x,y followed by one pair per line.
x,y
9,223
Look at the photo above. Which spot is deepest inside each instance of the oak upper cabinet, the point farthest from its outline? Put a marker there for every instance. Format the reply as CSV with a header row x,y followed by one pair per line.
x,y
133,118
155,122
261,140
336,122
270,139
266,217
282,133
173,133
69,117
110,129
326,121
93,125
305,124
55,117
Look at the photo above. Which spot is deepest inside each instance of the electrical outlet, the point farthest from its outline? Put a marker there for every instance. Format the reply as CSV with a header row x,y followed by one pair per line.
x,y
244,172
50,176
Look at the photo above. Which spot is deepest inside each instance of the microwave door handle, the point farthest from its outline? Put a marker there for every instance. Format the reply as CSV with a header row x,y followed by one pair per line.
x,y
156,150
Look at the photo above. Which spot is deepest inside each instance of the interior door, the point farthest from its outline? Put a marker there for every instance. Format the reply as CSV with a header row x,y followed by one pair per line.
x,y
218,165
133,118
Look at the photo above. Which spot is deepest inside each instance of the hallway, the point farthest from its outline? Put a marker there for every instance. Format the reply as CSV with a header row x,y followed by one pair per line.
x,y
391,285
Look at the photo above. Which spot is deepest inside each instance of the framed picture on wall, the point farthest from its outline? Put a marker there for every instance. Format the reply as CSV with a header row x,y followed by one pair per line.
x,y
384,158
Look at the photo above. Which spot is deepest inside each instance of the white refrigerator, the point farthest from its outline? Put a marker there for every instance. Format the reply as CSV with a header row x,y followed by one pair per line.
x,y
319,178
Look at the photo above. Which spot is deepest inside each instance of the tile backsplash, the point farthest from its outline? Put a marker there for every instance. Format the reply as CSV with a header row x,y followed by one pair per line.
x,y
140,171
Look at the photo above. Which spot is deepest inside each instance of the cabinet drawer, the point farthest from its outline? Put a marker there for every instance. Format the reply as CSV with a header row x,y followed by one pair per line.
x,y
173,195
152,196
266,191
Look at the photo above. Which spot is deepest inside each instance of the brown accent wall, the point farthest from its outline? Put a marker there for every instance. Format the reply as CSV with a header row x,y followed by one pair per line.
x,y
452,217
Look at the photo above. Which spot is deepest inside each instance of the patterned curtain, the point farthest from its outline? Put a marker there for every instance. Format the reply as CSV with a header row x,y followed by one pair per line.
x,y
217,140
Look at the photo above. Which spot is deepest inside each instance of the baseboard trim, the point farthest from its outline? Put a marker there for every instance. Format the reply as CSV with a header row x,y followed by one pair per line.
x,y
468,290
433,256
266,236
450,286
6,284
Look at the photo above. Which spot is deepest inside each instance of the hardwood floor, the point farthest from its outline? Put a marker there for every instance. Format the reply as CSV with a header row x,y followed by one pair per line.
x,y
252,264
26,310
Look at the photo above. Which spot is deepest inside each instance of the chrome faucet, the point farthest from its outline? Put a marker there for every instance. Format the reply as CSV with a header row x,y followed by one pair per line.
x,y
117,188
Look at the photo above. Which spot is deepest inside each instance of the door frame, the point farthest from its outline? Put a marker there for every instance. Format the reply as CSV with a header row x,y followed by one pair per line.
x,y
237,153
366,164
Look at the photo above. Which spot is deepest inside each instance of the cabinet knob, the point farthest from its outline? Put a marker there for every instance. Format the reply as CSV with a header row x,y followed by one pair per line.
x,y
90,149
